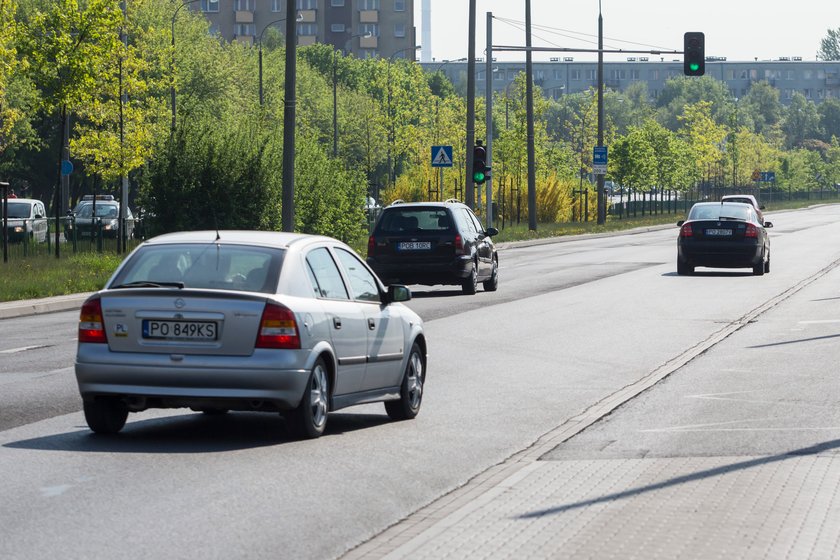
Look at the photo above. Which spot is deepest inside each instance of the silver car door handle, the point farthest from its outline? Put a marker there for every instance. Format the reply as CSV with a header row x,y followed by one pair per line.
x,y
371,324
337,322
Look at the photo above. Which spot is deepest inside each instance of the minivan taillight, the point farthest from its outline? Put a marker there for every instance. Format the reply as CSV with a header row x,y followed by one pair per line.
x,y
91,325
459,245
752,231
685,230
278,328
371,246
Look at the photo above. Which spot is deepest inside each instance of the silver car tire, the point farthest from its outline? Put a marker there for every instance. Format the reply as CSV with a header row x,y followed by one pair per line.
x,y
309,419
411,389
106,415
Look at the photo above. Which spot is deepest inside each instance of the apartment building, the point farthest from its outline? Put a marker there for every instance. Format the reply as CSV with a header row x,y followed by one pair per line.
x,y
365,28
816,80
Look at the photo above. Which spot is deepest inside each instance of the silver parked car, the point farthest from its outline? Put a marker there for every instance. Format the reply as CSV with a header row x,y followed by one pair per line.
x,y
246,320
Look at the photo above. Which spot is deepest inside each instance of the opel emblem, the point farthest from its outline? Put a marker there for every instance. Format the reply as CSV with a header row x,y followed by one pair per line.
x,y
179,303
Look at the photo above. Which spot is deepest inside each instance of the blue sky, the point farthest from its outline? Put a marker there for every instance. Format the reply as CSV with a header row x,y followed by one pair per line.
x,y
736,29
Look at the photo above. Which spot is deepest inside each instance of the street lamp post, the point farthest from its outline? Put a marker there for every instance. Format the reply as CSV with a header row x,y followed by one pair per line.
x,y
390,117
335,87
172,69
735,148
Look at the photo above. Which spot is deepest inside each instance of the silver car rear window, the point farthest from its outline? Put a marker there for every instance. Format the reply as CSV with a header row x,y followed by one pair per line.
x,y
207,266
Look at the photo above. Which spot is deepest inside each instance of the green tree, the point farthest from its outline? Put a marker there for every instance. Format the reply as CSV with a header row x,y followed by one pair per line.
x,y
761,106
830,45
801,122
829,111
682,91
703,138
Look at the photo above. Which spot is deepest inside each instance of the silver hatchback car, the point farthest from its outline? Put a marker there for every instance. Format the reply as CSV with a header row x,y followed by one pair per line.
x,y
246,320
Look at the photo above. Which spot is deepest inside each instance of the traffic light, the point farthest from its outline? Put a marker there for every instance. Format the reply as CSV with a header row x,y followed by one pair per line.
x,y
694,53
480,170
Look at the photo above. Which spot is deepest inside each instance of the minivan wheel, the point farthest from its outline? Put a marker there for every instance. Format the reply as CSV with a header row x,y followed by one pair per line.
x,y
411,390
492,284
106,415
470,283
309,419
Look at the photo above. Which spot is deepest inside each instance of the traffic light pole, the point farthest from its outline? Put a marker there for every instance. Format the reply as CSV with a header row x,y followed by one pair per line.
x,y
488,118
469,190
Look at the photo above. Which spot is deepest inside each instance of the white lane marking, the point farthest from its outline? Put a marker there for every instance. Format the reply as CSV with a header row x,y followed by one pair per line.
x,y
705,426
724,397
55,491
780,429
22,349
819,321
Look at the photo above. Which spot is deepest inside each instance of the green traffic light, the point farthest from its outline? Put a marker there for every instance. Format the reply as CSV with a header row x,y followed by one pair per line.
x,y
478,177
694,67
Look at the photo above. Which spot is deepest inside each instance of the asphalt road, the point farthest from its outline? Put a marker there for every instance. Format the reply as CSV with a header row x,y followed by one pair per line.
x,y
572,324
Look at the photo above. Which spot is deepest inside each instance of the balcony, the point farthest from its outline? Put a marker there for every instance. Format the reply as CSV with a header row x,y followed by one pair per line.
x,y
307,16
369,16
368,42
244,16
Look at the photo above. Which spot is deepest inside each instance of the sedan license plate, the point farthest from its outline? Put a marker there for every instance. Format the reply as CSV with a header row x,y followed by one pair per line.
x,y
719,232
179,330
414,245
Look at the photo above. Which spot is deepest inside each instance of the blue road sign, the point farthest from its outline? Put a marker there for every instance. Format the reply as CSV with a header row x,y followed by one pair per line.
x,y
599,160
66,167
441,156
768,176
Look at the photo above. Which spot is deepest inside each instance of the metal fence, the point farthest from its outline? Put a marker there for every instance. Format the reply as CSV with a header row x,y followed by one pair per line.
x,y
37,237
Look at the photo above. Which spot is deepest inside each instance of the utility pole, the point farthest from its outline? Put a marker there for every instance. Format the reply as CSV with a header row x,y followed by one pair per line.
x,y
529,109
602,207
488,119
288,197
469,191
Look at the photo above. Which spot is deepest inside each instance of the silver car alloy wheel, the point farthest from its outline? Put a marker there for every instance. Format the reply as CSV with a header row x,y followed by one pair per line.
x,y
318,396
415,380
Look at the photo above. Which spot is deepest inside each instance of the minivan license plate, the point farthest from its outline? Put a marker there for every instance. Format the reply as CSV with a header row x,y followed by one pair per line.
x,y
179,330
414,245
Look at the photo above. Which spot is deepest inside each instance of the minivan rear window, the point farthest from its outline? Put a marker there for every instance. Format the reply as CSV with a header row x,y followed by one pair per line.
x,y
415,220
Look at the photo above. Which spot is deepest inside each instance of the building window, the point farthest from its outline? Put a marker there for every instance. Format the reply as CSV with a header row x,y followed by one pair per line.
x,y
480,76
574,74
369,29
558,74
634,74
539,75
808,75
654,74
591,75
807,93
209,5
278,5
369,5
337,28
399,30
307,5
244,29
337,3
370,53
245,5
617,74
399,5
307,29
789,75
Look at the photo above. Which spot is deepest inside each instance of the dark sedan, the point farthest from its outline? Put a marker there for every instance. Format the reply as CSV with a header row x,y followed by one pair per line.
x,y
723,235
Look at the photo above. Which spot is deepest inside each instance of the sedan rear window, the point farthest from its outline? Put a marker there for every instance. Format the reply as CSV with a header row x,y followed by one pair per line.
x,y
206,266
736,211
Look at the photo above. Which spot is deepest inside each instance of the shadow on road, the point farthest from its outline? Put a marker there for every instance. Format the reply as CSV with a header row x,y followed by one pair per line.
x,y
701,475
194,433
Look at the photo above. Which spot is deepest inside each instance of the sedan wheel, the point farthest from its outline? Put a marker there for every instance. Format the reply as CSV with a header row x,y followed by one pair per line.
x,y
309,419
411,390
492,284
758,270
470,283
106,415
684,268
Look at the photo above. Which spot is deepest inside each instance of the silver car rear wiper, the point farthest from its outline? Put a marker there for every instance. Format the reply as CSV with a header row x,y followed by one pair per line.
x,y
149,284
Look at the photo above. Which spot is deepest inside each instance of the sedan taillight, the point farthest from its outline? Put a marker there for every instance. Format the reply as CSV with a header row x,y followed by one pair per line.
x,y
278,328
91,325
752,231
685,230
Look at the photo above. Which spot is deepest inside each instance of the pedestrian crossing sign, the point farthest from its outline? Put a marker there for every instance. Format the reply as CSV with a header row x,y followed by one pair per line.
x,y
441,156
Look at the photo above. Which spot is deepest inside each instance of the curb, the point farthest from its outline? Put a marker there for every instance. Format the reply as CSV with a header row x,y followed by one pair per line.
x,y
22,308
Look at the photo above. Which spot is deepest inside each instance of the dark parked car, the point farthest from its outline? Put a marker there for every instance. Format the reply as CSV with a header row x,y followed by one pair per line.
x,y
248,320
89,217
723,235
433,243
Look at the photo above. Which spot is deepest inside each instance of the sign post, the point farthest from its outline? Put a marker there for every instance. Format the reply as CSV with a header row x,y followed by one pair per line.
x,y
441,157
